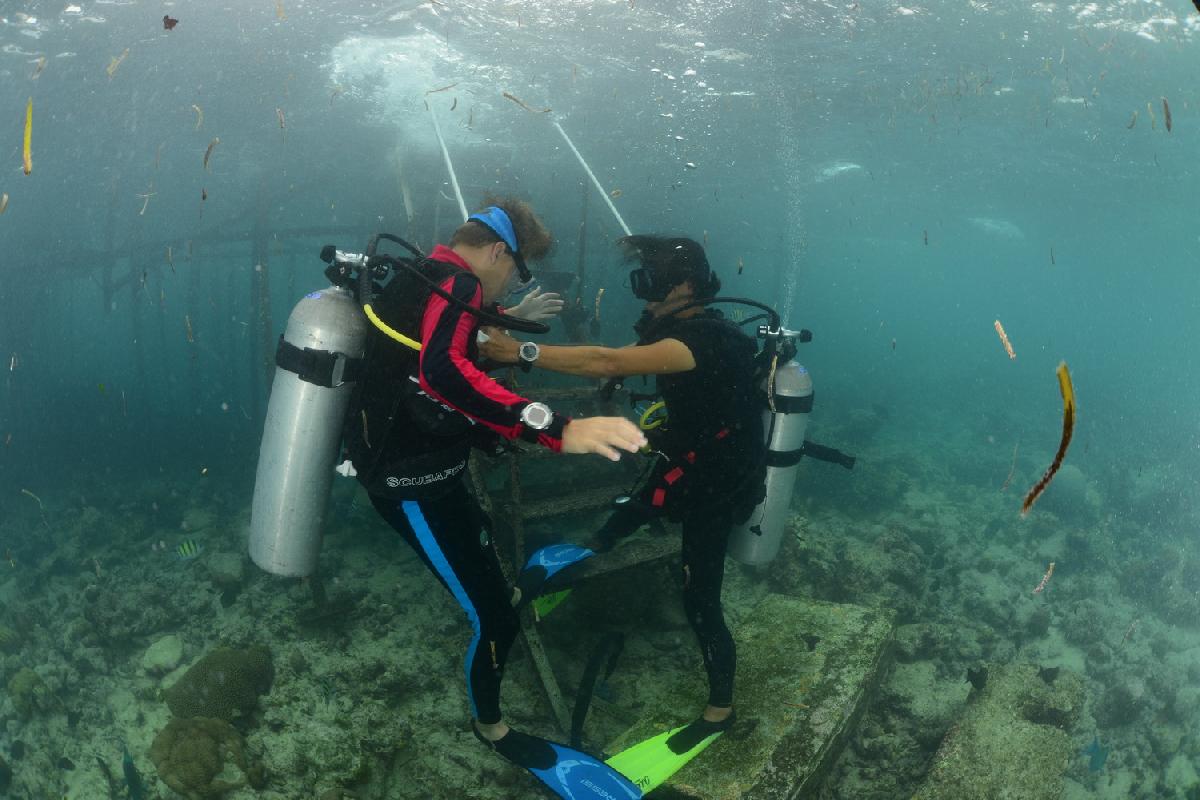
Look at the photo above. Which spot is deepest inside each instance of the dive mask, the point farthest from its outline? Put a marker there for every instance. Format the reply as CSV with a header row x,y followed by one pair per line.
x,y
646,287
497,220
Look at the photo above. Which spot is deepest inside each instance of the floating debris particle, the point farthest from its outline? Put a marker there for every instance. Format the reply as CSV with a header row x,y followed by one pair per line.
x,y
1132,121
1068,395
1045,579
280,14
596,313
926,236
115,64
203,195
337,90
208,153
282,122
187,325
1166,114
1052,262
26,152
523,105
690,165
37,71
741,265
1011,469
169,22
3,202
615,193
1008,348
445,88
1153,119
199,115
170,260
146,199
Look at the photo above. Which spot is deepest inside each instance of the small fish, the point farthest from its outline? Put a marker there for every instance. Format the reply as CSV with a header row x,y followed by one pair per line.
x,y
8,441
690,165
741,265
100,386
893,344
615,193
443,88
522,104
170,260
706,238
169,23
203,195
3,202
279,114
1097,753
471,117
926,233
187,324
41,65
454,105
1166,114
133,780
1052,262
8,556
158,154
1132,121
26,152
208,153
337,90
115,64
199,115
188,549
1153,119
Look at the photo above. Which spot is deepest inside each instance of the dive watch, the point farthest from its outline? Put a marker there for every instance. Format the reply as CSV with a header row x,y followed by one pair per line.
x,y
537,416
528,352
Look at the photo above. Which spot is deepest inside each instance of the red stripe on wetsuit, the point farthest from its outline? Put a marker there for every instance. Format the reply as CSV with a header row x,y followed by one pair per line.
x,y
447,372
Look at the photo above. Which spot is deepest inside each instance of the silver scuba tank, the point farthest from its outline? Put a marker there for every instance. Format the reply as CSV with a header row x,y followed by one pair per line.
x,y
757,540
326,334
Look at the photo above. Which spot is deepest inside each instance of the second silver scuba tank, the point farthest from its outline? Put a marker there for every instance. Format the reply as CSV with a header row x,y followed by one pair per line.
x,y
324,342
757,541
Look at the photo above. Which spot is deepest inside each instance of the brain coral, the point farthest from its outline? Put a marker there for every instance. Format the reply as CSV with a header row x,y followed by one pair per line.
x,y
225,684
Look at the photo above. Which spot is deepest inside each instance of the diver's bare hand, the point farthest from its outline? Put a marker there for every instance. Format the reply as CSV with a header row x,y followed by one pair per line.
x,y
499,346
604,436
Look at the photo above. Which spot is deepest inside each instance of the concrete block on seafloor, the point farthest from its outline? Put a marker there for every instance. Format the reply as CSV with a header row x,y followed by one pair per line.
x,y
806,669
163,656
1013,739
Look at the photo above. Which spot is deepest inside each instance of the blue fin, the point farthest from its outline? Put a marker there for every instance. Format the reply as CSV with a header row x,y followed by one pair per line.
x,y
571,774
544,565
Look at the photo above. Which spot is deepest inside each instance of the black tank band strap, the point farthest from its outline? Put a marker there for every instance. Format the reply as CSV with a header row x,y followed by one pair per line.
x,y
320,367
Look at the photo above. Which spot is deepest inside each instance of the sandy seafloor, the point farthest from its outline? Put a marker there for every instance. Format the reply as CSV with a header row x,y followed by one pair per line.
x,y
368,697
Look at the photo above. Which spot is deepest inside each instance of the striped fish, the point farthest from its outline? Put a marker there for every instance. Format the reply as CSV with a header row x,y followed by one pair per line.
x,y
188,549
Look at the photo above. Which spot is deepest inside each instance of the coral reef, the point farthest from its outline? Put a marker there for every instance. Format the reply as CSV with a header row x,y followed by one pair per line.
x,y
224,684
30,694
192,756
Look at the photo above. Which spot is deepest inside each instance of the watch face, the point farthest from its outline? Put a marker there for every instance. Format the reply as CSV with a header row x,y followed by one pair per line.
x,y
528,351
537,416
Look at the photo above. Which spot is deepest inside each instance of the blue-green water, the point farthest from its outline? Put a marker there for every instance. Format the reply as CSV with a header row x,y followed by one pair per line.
x,y
893,177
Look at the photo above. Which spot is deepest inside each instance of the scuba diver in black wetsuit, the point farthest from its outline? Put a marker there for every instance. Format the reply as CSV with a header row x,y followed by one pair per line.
x,y
710,468
420,404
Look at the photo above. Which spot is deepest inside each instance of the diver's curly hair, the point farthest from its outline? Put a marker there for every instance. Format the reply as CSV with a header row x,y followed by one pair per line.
x,y
533,239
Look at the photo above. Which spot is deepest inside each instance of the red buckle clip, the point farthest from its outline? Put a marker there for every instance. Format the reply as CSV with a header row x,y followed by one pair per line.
x,y
673,475
660,496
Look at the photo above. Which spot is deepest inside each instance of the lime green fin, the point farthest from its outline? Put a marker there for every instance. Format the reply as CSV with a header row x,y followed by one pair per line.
x,y
546,603
651,763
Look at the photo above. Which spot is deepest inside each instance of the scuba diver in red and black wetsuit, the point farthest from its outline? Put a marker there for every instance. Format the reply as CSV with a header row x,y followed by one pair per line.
x,y
711,466
420,405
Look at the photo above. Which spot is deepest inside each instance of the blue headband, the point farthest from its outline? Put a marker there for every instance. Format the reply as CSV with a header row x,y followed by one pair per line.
x,y
498,221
